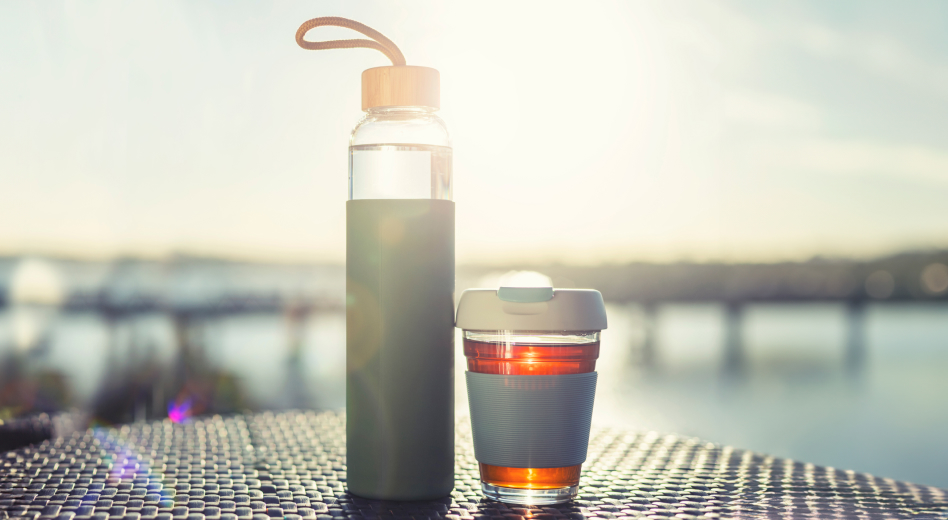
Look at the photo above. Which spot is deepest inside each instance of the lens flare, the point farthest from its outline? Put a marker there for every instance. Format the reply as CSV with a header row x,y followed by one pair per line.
x,y
179,411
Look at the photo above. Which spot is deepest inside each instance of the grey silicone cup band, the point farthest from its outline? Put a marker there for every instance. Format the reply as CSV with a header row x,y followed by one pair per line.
x,y
531,421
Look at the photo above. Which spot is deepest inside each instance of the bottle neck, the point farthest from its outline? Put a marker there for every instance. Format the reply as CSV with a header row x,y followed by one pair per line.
x,y
401,110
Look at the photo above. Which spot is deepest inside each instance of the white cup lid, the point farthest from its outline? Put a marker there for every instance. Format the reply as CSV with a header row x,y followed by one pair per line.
x,y
531,308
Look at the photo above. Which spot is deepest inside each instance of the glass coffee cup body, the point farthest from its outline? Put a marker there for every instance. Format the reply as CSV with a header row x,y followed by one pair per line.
x,y
526,353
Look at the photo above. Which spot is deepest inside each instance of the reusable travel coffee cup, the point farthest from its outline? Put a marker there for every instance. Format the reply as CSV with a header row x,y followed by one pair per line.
x,y
531,382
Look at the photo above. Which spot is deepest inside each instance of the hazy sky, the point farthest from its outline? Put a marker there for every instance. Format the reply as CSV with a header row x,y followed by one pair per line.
x,y
583,132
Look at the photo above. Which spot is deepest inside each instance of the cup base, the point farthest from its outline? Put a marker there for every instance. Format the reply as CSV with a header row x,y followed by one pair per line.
x,y
529,497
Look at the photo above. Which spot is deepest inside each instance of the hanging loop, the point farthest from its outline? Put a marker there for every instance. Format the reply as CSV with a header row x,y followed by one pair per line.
x,y
378,41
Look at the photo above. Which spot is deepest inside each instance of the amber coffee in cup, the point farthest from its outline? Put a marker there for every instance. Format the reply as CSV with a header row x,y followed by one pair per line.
x,y
531,360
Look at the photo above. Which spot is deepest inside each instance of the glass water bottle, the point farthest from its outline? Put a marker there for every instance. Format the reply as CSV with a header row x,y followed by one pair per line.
x,y
400,291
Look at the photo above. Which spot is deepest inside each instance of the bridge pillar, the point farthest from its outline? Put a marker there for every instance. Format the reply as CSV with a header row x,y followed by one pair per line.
x,y
855,355
296,391
649,326
734,355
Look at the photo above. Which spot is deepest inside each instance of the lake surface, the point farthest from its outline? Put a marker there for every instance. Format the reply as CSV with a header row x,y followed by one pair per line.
x,y
794,399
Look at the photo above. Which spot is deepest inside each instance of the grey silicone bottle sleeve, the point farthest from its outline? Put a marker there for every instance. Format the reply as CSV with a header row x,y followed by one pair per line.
x,y
400,348
531,421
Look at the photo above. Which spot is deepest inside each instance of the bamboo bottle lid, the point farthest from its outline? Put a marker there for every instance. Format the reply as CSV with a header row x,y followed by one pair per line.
x,y
401,85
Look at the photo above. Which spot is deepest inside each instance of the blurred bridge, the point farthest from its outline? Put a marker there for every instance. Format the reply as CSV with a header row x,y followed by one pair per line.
x,y
217,306
194,293
190,295
193,286
904,278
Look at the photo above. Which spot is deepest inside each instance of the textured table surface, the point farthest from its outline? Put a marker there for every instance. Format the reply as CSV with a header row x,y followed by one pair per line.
x,y
292,465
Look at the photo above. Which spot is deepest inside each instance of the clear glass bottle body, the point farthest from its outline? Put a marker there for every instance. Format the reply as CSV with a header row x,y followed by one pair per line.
x,y
400,153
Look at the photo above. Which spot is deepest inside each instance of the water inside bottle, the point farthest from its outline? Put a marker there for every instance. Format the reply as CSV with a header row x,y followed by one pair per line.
x,y
399,171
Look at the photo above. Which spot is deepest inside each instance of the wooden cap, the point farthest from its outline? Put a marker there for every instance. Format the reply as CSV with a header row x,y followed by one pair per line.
x,y
403,85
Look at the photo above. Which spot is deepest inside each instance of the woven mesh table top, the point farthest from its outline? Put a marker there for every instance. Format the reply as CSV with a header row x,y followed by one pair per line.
x,y
292,465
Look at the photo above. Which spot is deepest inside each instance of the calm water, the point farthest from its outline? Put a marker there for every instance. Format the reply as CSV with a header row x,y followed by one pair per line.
x,y
794,400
